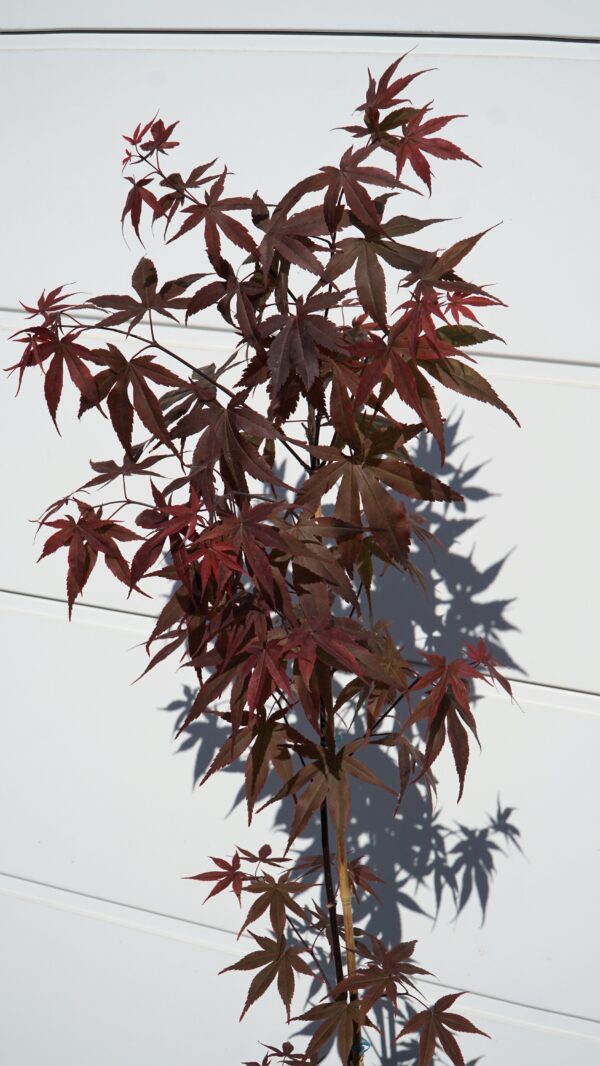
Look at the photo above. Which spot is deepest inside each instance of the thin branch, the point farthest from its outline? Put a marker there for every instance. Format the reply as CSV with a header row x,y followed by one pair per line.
x,y
311,952
393,705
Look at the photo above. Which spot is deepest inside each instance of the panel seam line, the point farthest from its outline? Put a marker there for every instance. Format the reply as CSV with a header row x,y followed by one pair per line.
x,y
153,617
247,31
230,932
226,331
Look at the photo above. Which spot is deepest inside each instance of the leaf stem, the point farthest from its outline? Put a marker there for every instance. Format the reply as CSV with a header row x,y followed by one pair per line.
x,y
167,351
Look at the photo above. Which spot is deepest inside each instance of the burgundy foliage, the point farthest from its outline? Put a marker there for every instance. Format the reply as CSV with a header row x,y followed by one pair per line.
x,y
280,483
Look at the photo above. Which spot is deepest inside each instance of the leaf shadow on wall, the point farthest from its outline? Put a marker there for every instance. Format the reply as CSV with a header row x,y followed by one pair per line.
x,y
457,604
437,868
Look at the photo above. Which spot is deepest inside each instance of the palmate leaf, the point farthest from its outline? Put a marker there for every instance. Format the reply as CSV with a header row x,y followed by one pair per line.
x,y
264,856
389,972
125,385
144,281
383,94
274,959
227,875
390,365
50,305
333,1020
437,1027
345,184
289,236
85,539
286,1056
363,879
417,141
256,532
215,215
313,561
400,362
460,304
419,318
368,478
325,778
170,521
46,345
178,189
228,439
364,254
270,750
297,342
109,470
446,707
138,195
277,897
481,656
158,141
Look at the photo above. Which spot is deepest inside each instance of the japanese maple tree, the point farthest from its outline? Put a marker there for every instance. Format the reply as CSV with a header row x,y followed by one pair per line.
x,y
280,489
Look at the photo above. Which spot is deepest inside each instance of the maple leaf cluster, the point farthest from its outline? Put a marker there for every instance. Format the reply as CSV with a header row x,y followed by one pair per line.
x,y
280,482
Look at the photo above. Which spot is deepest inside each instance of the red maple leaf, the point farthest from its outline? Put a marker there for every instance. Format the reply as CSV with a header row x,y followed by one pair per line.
x,y
138,195
436,1026
446,707
85,539
480,655
215,214
227,875
43,344
417,139
122,377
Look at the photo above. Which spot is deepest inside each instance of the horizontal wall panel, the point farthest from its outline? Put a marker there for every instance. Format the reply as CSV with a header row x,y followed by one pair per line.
x,y
505,568
148,992
106,806
537,759
107,809
545,218
468,16
74,989
502,566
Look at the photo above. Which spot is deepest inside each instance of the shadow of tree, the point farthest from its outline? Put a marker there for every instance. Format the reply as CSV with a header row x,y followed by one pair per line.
x,y
414,848
426,859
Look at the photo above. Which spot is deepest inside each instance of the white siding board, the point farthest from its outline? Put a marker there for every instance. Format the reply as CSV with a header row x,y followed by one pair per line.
x,y
119,818
103,988
78,990
105,809
536,17
538,755
549,209
539,487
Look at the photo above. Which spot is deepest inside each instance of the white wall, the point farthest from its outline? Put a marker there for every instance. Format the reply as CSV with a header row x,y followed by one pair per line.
x,y
107,954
